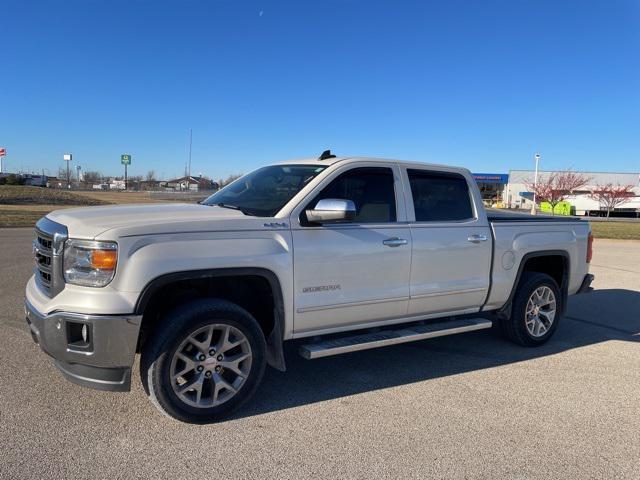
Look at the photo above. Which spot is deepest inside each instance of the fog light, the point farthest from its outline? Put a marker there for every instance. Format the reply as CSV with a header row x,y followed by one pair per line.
x,y
78,336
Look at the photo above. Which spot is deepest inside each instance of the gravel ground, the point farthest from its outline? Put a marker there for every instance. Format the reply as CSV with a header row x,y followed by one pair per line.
x,y
468,406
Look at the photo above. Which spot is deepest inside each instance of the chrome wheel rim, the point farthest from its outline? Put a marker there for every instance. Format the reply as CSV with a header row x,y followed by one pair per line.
x,y
541,311
210,365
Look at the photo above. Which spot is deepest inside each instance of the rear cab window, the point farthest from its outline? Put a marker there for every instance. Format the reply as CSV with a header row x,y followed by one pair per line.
x,y
440,196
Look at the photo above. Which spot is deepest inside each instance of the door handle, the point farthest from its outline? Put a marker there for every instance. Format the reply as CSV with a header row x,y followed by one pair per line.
x,y
477,238
394,242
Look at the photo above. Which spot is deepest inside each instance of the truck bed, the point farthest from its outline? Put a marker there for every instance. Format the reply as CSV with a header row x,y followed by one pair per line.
x,y
497,216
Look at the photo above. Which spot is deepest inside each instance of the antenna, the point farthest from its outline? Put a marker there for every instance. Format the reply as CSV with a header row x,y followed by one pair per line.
x,y
326,155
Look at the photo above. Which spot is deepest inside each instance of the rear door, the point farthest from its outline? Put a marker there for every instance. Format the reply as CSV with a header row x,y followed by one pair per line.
x,y
353,273
451,249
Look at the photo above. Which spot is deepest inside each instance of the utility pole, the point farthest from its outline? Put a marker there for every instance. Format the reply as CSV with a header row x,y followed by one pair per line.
x,y
535,185
190,142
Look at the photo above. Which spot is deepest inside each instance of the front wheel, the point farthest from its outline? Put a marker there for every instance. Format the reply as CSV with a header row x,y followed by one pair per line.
x,y
205,360
536,310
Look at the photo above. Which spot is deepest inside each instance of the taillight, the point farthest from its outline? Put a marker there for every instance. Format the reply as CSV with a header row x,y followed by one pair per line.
x,y
589,247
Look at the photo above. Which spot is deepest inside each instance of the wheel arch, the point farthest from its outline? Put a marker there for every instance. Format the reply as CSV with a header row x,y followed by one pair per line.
x,y
535,262
274,337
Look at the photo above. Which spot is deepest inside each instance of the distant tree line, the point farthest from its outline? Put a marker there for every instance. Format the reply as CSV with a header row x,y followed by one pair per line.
x,y
94,177
228,180
12,179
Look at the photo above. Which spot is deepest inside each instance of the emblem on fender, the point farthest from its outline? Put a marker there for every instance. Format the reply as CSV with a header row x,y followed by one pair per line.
x,y
275,225
321,288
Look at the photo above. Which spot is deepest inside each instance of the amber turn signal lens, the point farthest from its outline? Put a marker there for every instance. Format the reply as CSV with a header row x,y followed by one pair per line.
x,y
104,259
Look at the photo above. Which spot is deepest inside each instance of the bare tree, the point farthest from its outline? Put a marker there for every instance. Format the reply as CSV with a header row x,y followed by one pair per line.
x,y
228,180
133,182
556,187
611,196
65,176
92,176
151,176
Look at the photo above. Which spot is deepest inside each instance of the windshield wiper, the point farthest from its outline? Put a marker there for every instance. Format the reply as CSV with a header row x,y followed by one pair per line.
x,y
233,207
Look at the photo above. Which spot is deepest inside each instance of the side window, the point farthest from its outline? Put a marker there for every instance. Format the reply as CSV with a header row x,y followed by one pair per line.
x,y
371,189
440,196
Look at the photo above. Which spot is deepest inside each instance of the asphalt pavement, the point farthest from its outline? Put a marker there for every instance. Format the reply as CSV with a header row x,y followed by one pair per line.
x,y
467,406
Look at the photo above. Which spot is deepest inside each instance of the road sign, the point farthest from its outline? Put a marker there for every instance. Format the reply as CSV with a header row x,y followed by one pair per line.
x,y
125,159
3,152
67,157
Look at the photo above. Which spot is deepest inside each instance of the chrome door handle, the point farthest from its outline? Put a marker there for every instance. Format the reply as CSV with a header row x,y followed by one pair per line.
x,y
394,242
477,238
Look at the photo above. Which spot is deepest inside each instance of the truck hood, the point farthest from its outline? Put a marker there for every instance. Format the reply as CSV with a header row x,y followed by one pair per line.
x,y
129,220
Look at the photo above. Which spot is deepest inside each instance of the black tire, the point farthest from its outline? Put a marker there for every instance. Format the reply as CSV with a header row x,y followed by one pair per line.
x,y
515,327
175,327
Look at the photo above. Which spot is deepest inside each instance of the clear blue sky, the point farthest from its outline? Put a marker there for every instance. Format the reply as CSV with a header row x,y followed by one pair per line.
x,y
484,84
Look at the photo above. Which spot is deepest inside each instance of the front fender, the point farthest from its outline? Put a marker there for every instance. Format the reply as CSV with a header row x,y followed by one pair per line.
x,y
145,259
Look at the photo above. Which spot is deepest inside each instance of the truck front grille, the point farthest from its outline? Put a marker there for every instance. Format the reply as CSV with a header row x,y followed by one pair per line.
x,y
47,252
43,258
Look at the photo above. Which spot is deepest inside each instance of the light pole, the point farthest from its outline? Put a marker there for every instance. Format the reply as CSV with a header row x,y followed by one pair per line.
x,y
535,185
67,158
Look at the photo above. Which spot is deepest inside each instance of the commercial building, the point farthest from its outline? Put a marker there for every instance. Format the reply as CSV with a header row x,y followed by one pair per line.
x,y
492,187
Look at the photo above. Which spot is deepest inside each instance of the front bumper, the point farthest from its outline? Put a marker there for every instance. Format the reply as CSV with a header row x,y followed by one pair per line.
x,y
99,356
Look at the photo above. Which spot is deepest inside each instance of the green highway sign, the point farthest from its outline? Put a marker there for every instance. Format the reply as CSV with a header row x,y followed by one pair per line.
x,y
125,159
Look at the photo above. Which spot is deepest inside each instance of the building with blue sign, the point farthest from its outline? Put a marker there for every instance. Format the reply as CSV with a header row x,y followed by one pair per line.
x,y
492,187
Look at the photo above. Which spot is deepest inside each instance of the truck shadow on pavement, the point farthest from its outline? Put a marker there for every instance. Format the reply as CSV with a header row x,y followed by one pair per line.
x,y
590,319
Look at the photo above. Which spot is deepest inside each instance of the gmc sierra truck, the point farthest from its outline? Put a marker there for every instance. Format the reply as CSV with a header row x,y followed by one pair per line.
x,y
336,254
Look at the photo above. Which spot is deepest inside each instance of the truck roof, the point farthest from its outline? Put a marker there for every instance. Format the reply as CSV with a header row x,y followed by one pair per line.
x,y
333,160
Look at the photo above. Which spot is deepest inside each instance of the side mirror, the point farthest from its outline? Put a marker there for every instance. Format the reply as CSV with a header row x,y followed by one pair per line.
x,y
332,210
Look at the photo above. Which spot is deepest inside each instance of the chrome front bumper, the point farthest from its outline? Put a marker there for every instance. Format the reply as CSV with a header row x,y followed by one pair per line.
x,y
95,351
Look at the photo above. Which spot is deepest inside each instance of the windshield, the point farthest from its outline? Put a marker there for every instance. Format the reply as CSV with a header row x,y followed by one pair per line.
x,y
265,191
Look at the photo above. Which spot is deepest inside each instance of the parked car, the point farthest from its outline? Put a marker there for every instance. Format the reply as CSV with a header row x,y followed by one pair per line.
x,y
337,254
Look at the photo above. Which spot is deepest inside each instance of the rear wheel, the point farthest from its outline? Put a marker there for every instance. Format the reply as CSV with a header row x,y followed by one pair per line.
x,y
206,359
536,310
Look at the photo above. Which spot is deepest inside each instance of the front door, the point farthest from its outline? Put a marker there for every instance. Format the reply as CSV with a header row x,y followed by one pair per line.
x,y
354,273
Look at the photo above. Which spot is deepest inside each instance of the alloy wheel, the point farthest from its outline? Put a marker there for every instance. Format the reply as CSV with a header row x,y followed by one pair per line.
x,y
210,365
541,311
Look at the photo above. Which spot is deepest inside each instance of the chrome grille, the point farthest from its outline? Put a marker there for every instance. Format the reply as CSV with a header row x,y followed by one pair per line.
x,y
47,252
43,257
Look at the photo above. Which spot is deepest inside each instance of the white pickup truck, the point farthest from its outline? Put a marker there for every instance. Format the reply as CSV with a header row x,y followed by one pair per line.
x,y
337,254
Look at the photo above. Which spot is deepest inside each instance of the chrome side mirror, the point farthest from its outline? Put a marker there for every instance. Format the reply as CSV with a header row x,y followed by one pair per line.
x,y
332,210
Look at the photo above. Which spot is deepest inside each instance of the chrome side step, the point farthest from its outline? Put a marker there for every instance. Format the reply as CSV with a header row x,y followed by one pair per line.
x,y
384,338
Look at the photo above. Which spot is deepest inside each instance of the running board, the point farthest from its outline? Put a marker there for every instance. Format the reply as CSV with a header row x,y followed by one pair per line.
x,y
384,338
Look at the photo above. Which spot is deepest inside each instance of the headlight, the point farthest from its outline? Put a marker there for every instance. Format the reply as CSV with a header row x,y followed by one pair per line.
x,y
89,263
